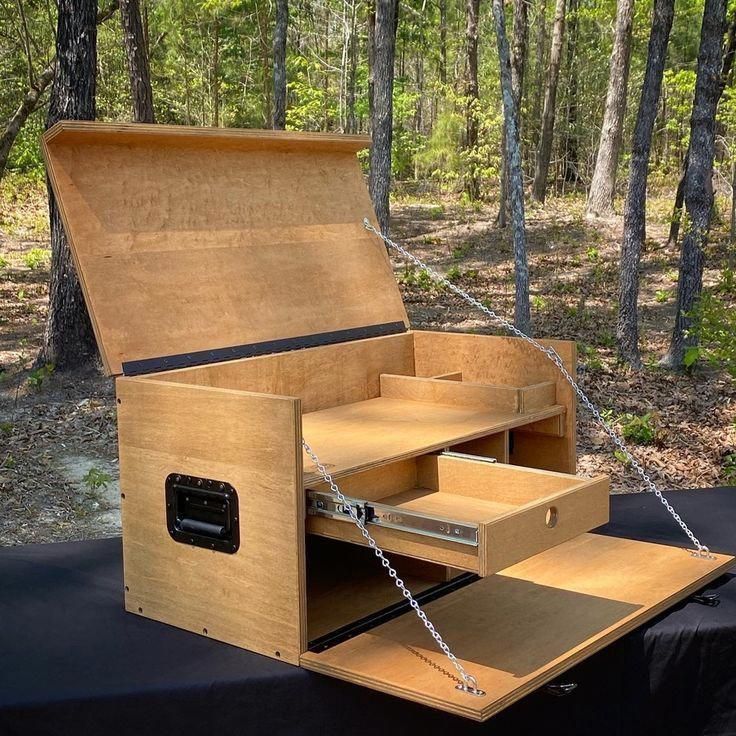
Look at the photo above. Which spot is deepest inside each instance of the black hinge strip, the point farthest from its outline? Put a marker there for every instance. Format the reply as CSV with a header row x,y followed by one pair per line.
x,y
203,357
387,614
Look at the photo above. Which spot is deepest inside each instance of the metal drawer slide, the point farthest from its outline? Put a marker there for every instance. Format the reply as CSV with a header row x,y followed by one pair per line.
x,y
324,504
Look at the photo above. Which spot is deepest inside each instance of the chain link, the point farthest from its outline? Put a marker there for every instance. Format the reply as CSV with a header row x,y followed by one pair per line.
x,y
470,684
700,549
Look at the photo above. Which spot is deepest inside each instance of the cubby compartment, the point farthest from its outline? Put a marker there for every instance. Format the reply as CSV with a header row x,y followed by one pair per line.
x,y
468,513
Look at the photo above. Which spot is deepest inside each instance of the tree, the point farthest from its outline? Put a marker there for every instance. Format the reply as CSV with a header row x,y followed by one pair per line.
x,y
603,184
279,64
382,113
544,150
726,66
627,330
472,185
518,63
699,179
136,53
29,104
571,158
522,313
68,340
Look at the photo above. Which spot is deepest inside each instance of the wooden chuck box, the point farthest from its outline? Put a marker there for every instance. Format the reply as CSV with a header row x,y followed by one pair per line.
x,y
242,306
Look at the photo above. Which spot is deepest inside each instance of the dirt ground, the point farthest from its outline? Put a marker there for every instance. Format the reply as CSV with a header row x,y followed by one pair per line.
x,y
58,454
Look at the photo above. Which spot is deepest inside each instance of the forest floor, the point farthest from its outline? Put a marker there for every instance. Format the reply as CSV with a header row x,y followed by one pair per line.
x,y
58,453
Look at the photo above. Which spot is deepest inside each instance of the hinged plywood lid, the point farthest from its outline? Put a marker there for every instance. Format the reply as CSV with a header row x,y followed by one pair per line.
x,y
199,239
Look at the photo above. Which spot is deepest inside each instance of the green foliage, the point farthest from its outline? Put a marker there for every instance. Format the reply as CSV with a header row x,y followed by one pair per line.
x,y
96,478
661,296
4,262
638,429
539,302
592,254
714,324
418,278
591,357
459,252
728,467
37,377
36,258
621,457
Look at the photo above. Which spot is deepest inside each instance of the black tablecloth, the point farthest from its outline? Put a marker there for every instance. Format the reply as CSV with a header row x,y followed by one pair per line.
x,y
73,662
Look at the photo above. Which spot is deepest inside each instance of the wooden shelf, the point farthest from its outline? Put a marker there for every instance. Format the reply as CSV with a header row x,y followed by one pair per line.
x,y
370,433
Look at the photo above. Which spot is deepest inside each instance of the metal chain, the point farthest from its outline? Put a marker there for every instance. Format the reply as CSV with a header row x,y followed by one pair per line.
x,y
469,683
700,549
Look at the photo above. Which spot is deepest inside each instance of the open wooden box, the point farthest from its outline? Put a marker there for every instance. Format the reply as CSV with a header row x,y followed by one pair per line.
x,y
242,306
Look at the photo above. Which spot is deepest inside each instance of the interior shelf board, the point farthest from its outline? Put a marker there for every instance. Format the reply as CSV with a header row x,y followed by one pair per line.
x,y
369,433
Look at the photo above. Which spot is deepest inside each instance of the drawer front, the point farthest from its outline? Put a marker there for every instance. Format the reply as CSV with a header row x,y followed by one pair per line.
x,y
544,525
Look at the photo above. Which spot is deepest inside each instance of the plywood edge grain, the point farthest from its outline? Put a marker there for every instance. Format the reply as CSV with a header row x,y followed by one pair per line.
x,y
67,131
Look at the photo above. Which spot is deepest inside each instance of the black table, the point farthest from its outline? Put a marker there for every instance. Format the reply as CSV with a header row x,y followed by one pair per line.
x,y
73,662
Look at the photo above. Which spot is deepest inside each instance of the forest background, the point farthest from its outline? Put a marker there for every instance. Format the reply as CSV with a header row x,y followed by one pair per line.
x,y
558,202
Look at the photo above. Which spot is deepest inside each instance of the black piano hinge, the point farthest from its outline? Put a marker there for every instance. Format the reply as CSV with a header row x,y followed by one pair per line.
x,y
252,350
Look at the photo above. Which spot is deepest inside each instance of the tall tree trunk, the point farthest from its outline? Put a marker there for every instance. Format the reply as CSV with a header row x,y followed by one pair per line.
x,y
215,75
25,109
371,64
571,159
383,85
137,55
279,64
68,340
603,184
443,42
699,178
518,55
540,55
627,331
544,150
351,125
518,59
522,313
472,184
727,64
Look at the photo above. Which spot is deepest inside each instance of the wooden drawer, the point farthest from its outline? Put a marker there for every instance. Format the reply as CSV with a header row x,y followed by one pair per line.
x,y
461,511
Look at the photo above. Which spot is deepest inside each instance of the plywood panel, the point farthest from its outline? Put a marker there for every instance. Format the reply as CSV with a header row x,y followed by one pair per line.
x,y
501,360
369,433
519,629
320,377
188,241
255,597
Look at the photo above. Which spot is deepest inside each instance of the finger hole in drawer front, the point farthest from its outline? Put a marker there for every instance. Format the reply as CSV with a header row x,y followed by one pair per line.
x,y
471,514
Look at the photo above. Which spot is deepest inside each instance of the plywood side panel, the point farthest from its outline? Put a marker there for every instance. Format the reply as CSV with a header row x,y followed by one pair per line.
x,y
320,377
255,597
503,360
184,247
516,630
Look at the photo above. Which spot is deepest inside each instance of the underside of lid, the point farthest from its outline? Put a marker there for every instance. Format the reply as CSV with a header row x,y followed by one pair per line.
x,y
189,240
